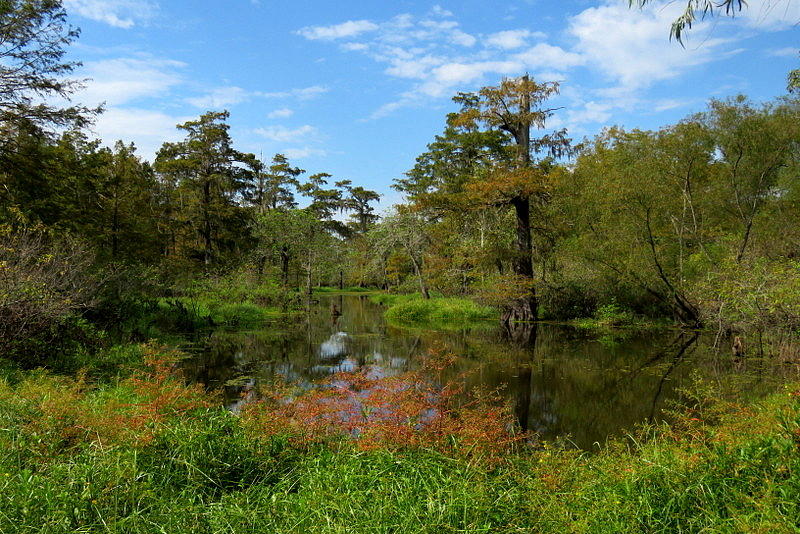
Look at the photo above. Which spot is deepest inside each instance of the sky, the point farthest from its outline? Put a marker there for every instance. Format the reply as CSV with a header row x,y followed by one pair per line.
x,y
359,88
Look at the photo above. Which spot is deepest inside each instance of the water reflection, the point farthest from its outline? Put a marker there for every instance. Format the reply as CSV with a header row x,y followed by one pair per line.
x,y
559,381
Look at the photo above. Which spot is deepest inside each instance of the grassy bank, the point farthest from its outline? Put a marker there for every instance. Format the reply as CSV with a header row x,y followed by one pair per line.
x,y
350,289
436,312
145,453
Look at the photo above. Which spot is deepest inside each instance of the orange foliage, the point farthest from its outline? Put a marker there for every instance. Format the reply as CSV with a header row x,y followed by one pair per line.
x,y
505,183
408,411
62,407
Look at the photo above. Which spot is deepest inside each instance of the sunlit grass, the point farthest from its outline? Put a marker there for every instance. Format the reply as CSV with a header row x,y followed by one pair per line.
x,y
145,453
436,312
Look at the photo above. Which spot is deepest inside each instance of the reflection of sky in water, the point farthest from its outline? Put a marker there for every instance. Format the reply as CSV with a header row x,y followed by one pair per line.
x,y
334,347
567,384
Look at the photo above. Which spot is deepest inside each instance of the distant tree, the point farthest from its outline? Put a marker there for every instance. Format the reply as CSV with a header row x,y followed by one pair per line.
x,y
280,180
359,201
406,231
325,202
208,169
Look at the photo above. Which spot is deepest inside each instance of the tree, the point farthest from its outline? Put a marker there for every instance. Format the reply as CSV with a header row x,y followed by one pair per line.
x,y
358,200
515,107
280,180
405,230
754,145
124,194
207,168
33,72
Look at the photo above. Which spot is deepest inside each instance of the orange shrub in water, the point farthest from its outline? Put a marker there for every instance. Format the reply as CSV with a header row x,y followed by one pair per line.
x,y
406,411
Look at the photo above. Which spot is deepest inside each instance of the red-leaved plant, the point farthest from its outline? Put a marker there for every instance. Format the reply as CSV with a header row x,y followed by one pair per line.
x,y
417,409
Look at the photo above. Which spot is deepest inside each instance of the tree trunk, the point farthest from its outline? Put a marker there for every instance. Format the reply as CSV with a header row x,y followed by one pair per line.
x,y
285,266
422,287
524,308
207,222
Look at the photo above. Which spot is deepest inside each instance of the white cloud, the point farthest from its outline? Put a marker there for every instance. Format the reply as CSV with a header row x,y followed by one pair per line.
x,y
355,47
546,56
121,80
282,134
771,15
440,11
117,13
149,128
303,152
221,97
462,38
630,46
281,113
784,52
304,93
590,112
434,51
511,39
670,103
351,28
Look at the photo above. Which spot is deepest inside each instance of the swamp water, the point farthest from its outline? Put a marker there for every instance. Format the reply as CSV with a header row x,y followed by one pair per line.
x,y
562,382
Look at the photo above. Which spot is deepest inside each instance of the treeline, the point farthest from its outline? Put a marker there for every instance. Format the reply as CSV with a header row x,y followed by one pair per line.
x,y
94,237
200,204
697,221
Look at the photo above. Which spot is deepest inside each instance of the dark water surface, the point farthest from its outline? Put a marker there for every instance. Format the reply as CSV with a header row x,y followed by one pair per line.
x,y
562,381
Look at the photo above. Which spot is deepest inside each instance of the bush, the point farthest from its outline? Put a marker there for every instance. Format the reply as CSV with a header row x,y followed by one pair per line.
x,y
44,284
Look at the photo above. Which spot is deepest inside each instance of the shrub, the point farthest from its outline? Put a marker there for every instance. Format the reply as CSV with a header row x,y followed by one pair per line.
x,y
44,284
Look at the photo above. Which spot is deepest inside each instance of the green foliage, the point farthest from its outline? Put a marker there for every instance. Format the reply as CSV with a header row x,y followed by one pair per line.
x,y
719,467
33,40
435,312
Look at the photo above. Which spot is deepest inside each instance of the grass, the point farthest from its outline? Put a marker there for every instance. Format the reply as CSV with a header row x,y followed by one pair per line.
x,y
349,289
612,316
147,454
436,312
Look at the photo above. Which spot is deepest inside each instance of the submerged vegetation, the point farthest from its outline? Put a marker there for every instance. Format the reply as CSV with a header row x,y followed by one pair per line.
x,y
101,252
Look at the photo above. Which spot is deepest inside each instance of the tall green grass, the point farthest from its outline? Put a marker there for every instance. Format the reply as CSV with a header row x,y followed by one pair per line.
x,y
731,470
438,311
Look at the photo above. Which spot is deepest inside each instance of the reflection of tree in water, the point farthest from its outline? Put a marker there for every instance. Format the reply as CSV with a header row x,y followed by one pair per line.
x,y
558,379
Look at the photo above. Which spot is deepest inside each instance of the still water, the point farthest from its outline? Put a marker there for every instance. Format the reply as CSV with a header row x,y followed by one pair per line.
x,y
564,383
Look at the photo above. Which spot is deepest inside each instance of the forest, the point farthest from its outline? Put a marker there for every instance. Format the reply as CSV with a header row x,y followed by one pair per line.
x,y
113,267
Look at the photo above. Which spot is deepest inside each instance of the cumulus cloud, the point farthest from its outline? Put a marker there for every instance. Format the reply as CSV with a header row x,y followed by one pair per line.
x,y
118,13
220,97
511,39
303,93
121,80
630,46
303,152
281,113
282,134
351,28
149,128
784,52
440,57
771,15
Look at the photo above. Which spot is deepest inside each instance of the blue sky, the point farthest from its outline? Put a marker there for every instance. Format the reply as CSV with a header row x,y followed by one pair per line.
x,y
358,89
